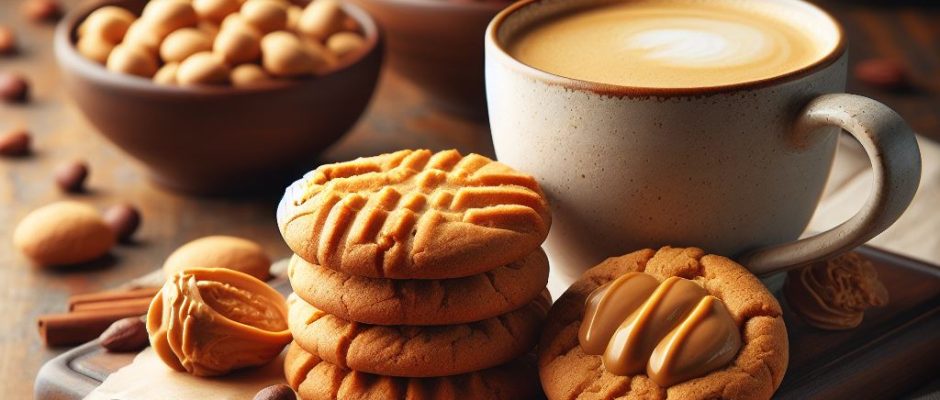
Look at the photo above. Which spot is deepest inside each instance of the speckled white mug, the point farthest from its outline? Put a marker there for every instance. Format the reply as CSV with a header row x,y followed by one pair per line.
x,y
737,170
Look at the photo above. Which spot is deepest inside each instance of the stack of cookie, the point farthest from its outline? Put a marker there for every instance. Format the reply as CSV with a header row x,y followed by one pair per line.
x,y
416,275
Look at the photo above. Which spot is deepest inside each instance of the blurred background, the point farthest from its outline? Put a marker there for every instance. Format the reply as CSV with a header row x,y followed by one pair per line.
x,y
894,58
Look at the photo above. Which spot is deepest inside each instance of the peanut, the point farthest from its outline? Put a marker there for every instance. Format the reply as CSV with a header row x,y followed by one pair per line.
x,y
63,233
238,43
109,23
95,48
220,252
167,74
249,75
284,55
215,10
265,15
203,68
344,43
165,16
321,19
183,43
132,60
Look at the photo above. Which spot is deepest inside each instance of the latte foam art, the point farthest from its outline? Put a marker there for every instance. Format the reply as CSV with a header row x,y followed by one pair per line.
x,y
666,44
725,44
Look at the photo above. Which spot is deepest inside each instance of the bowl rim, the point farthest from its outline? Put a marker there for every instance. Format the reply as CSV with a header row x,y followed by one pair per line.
x,y
68,57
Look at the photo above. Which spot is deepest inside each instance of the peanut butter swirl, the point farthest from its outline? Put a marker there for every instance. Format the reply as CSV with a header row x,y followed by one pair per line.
x,y
209,321
834,294
674,330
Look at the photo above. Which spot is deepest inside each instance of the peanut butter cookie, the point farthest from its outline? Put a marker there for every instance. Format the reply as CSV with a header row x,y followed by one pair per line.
x,y
754,372
421,301
316,379
423,351
414,214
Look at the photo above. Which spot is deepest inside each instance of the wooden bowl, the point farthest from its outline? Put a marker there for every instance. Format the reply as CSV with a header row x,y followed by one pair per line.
x,y
211,140
438,45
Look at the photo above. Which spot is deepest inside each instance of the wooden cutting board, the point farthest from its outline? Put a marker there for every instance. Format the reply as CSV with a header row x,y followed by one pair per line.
x,y
894,352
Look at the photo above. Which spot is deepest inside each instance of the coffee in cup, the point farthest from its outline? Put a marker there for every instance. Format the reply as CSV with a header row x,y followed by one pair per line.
x,y
672,43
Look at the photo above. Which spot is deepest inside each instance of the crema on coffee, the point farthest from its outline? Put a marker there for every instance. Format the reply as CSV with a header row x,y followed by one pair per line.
x,y
669,43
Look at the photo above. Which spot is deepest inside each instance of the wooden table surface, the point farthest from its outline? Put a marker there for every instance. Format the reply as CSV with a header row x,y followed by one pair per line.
x,y
399,117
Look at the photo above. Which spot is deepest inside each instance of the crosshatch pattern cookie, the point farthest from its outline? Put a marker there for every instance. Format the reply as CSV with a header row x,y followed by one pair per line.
x,y
417,351
414,214
421,301
315,379
755,373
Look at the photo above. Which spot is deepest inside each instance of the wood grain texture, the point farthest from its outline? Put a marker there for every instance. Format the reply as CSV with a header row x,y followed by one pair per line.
x,y
399,117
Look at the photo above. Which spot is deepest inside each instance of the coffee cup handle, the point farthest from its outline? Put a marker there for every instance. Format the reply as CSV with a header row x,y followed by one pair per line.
x,y
895,160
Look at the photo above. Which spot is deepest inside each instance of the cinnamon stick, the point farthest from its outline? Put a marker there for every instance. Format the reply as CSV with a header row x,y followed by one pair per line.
x,y
81,326
111,295
142,302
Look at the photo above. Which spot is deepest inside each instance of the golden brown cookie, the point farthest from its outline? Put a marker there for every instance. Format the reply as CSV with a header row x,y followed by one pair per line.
x,y
755,373
414,214
417,351
421,301
315,379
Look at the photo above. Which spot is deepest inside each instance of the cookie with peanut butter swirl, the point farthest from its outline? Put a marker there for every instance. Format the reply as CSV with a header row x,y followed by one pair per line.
x,y
673,323
834,294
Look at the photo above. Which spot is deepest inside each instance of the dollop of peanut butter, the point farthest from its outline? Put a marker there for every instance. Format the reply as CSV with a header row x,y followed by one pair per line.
x,y
673,330
834,294
209,321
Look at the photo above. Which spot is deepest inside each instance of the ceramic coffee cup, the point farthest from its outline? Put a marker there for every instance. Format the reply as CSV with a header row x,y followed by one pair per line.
x,y
736,169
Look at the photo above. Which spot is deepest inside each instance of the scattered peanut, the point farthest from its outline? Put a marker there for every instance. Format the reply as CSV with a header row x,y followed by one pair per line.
x,y
63,233
7,41
14,88
276,392
124,219
42,10
125,335
230,252
15,143
70,176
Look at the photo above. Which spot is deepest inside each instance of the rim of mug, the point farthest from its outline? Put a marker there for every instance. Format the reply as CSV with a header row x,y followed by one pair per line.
x,y
609,89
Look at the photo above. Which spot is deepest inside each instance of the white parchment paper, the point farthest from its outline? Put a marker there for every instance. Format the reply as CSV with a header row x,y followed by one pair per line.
x,y
148,378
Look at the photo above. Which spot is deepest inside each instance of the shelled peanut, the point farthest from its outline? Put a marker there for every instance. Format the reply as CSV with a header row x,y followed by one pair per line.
x,y
221,42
